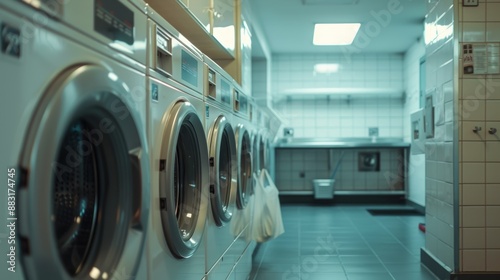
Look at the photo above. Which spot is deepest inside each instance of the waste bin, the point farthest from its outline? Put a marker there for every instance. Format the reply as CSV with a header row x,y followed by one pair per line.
x,y
323,188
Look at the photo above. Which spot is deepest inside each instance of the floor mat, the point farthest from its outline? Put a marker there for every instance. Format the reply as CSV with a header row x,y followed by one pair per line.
x,y
394,212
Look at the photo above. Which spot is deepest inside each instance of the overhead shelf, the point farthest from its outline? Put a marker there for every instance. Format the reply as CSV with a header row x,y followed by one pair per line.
x,y
184,21
337,92
370,142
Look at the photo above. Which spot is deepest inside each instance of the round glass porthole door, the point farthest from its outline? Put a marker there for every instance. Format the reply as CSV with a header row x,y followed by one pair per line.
x,y
85,189
244,166
223,170
255,152
183,180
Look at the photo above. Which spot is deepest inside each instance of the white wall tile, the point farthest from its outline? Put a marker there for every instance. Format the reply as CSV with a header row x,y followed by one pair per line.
x,y
473,194
474,260
296,71
474,238
475,13
492,137
493,194
493,173
493,110
492,33
473,173
473,109
473,216
473,151
492,263
493,238
473,88
469,135
473,32
492,219
492,12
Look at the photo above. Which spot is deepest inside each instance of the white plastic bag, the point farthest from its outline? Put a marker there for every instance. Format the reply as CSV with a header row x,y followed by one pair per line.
x,y
242,220
267,220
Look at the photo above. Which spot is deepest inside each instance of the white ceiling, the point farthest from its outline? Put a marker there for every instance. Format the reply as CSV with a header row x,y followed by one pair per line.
x,y
288,24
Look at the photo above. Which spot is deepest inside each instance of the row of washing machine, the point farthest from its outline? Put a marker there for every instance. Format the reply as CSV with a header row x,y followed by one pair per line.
x,y
126,153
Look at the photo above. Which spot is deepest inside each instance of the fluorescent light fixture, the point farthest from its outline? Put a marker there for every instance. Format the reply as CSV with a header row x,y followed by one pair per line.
x,y
326,68
330,34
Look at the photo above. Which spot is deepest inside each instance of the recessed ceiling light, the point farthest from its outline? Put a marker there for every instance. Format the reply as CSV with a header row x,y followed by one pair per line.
x,y
326,34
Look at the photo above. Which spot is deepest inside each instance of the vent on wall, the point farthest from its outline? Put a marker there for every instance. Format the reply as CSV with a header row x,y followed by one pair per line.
x,y
330,2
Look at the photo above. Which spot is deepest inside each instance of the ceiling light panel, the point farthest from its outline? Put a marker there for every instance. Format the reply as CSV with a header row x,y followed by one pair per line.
x,y
329,2
335,34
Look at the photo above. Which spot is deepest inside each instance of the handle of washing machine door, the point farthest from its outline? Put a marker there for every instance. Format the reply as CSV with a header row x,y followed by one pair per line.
x,y
136,174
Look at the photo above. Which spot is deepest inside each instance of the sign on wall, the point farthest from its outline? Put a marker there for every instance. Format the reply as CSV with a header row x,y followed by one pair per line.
x,y
481,58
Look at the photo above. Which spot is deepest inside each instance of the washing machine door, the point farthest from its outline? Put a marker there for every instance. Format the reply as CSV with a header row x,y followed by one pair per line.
x,y
244,157
255,152
223,170
264,152
184,179
83,180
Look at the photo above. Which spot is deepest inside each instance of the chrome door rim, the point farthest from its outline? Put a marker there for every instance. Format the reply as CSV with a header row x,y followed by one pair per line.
x,y
222,140
89,93
181,244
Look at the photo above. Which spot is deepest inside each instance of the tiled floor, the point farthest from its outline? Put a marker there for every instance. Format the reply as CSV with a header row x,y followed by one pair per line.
x,y
342,242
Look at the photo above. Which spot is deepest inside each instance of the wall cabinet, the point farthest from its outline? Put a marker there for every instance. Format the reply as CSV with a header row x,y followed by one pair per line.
x,y
217,28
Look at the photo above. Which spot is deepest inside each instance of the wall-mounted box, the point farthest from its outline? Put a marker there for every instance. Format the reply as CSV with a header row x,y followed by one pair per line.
x,y
417,133
369,161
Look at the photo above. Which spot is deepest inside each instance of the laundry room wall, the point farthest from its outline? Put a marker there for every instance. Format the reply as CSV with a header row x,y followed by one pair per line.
x,y
260,80
337,115
416,168
479,155
440,174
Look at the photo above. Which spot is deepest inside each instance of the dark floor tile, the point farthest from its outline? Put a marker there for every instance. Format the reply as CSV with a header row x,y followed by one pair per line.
x,y
364,268
369,276
342,242
424,275
359,259
318,250
276,258
355,251
403,258
404,267
267,267
322,259
276,276
321,276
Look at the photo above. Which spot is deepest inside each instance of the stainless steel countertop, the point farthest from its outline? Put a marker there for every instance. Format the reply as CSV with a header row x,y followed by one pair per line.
x,y
362,142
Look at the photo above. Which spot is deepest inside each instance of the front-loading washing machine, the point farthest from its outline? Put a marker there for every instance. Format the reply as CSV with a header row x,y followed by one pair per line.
x,y
256,138
241,224
223,169
241,112
76,151
179,156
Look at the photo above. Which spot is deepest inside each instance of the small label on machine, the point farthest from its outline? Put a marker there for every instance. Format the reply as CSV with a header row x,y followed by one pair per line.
x,y
114,20
154,92
11,40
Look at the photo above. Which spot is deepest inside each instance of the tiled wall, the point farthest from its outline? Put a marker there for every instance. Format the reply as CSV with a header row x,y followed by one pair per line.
x,y
439,173
334,117
340,118
479,104
259,79
296,168
416,169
